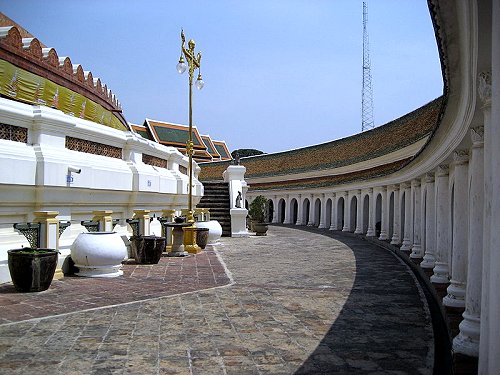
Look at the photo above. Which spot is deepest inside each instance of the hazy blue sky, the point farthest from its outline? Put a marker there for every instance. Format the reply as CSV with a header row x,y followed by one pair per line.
x,y
279,74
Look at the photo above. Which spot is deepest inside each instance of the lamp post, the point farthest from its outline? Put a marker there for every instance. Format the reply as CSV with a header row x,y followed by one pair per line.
x,y
193,63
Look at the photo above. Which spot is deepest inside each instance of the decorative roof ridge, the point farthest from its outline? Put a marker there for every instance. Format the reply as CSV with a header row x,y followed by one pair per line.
x,y
195,127
30,54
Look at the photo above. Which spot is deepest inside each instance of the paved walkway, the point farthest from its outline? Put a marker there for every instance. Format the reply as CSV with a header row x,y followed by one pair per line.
x,y
295,303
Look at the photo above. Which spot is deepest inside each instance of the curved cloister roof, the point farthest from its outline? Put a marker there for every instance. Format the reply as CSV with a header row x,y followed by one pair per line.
x,y
341,161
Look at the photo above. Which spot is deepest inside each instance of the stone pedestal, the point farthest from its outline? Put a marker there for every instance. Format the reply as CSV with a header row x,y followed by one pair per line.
x,y
144,220
177,245
190,240
105,220
49,234
238,222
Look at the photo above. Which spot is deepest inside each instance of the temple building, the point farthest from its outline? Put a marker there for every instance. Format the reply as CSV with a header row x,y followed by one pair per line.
x,y
67,154
205,148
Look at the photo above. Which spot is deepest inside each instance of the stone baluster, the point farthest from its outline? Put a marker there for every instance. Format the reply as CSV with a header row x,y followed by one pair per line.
x,y
467,342
416,249
396,226
144,220
456,290
406,245
105,220
49,235
429,260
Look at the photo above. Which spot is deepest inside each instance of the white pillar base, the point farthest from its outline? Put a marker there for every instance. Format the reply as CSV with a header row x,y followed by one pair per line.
x,y
456,295
383,236
395,239
467,341
416,251
406,245
429,261
441,273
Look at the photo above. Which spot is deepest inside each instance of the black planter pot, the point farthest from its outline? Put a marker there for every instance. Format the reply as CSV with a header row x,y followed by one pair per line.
x,y
202,237
32,271
260,228
148,249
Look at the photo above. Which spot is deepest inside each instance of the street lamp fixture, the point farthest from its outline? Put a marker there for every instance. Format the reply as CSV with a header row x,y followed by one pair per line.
x,y
191,62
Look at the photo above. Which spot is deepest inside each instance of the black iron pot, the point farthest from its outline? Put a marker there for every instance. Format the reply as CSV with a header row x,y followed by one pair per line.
x,y
32,270
147,249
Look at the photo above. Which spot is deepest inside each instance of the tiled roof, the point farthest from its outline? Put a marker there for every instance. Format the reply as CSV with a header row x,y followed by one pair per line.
x,y
222,149
141,130
393,136
210,147
173,134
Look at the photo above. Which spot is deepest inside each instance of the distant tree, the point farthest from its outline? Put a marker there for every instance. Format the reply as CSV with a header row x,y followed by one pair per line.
x,y
242,152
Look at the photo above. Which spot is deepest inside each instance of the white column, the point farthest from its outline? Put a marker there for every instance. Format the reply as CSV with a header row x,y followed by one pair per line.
x,y
384,225
489,360
322,216
396,236
359,214
288,210
371,215
456,290
443,226
312,210
333,213
416,249
299,210
276,209
347,213
429,260
467,341
406,245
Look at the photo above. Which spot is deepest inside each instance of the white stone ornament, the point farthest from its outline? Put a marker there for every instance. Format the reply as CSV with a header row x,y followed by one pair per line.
x,y
99,254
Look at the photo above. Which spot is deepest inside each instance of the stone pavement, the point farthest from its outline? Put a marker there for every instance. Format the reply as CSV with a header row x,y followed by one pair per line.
x,y
298,303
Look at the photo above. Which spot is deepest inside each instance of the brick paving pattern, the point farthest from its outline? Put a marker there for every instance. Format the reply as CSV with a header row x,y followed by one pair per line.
x,y
139,282
301,303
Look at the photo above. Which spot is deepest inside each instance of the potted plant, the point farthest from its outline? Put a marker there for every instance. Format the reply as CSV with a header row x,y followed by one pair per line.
x,y
257,214
32,269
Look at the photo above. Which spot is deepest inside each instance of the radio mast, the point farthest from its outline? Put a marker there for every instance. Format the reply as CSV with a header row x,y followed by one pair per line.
x,y
367,92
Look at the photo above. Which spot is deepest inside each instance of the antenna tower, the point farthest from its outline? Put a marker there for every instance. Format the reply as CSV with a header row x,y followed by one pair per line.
x,y
367,92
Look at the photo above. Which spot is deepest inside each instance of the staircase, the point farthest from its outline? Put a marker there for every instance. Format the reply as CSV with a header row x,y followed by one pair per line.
x,y
216,198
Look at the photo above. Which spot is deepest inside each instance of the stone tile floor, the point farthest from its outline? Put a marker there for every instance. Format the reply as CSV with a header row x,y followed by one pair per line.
x,y
294,302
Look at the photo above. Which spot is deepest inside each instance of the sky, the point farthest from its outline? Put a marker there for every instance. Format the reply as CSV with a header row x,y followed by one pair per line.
x,y
279,74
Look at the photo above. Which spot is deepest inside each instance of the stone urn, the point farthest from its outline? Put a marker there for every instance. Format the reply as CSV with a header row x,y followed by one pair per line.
x,y
214,230
98,254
